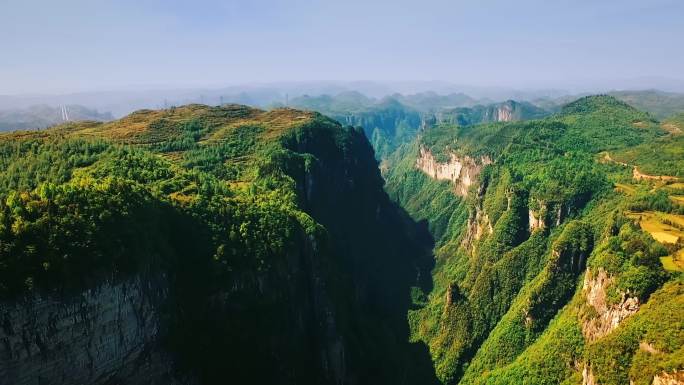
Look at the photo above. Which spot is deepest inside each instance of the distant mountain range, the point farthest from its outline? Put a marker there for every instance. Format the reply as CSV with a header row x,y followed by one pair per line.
x,y
43,116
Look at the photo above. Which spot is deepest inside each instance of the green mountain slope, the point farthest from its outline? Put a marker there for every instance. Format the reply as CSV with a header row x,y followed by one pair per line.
x,y
387,123
660,104
537,253
284,258
396,120
496,112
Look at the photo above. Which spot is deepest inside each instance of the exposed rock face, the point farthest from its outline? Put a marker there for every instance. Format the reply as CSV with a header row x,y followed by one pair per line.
x,y
645,346
608,316
536,221
588,376
507,111
504,113
548,215
675,378
461,171
453,294
478,225
108,334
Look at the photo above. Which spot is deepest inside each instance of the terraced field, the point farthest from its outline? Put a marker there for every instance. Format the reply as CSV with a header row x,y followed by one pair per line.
x,y
665,228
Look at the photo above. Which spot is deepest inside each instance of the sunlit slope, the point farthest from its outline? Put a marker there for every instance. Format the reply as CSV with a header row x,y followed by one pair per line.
x,y
535,262
284,258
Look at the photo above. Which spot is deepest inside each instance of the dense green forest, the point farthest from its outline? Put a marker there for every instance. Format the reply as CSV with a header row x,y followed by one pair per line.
x,y
506,111
387,123
543,258
397,119
544,249
272,228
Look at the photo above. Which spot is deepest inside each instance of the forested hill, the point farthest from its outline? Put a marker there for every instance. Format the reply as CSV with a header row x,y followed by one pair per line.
x,y
397,119
204,245
555,263
43,116
387,123
224,244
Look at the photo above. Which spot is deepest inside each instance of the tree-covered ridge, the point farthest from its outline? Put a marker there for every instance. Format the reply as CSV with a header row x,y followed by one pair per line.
x,y
590,124
511,282
659,103
509,110
397,119
180,159
387,122
263,221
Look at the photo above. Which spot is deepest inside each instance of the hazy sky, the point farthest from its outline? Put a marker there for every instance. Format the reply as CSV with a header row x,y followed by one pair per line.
x,y
73,45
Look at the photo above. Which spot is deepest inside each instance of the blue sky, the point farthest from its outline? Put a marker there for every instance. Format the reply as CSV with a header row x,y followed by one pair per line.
x,y
73,45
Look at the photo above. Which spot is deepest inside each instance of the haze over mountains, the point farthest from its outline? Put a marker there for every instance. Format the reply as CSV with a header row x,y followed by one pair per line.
x,y
24,111
342,192
497,244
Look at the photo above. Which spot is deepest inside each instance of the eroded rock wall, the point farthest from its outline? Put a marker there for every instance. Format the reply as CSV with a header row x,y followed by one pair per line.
x,y
608,316
461,171
674,378
107,334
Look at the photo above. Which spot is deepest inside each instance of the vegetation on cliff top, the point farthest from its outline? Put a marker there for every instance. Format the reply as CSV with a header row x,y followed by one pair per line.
x,y
264,221
507,304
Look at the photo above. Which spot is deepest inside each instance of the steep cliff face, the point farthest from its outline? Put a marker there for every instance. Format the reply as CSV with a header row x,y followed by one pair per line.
x,y
508,111
536,220
546,215
608,316
461,171
479,225
508,306
588,376
504,113
109,333
279,257
674,378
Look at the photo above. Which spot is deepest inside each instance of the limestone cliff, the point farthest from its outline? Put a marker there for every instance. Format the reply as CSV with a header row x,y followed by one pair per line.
x,y
588,376
301,279
608,316
675,378
101,335
536,218
546,215
508,111
504,113
462,171
665,378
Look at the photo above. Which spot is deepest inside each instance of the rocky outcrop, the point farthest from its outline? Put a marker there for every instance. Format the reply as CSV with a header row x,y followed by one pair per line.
x,y
608,316
508,111
478,224
588,376
535,220
546,215
665,378
461,171
504,113
674,378
107,334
